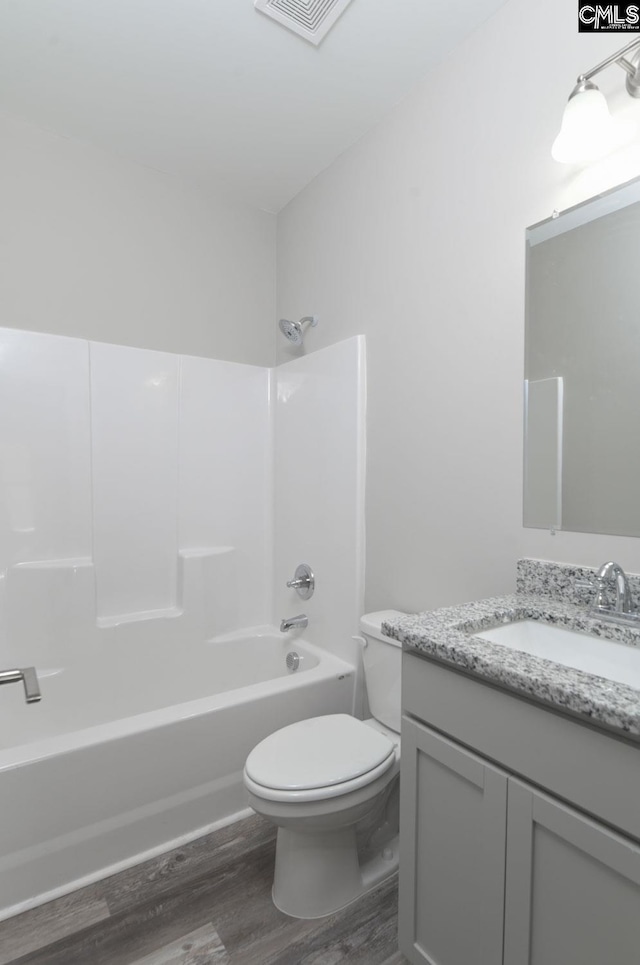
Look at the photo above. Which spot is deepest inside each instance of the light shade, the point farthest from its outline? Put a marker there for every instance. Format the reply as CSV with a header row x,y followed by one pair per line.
x,y
588,131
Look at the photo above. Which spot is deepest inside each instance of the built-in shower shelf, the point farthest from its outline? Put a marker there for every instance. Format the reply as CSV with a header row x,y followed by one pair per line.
x,y
51,605
70,563
170,613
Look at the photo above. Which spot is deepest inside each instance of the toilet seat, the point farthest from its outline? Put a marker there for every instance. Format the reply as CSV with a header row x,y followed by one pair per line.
x,y
318,759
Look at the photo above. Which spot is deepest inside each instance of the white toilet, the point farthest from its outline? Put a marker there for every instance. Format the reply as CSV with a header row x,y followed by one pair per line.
x,y
319,778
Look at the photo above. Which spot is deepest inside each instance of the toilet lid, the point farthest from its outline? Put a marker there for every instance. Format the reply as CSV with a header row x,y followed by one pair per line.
x,y
319,752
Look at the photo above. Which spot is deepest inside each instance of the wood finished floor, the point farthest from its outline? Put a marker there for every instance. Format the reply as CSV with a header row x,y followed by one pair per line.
x,y
208,903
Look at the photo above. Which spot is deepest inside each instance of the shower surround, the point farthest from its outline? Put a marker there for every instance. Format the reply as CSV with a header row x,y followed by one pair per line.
x,y
151,504
114,461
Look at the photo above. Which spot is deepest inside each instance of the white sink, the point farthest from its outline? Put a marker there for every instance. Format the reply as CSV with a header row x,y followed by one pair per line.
x,y
614,661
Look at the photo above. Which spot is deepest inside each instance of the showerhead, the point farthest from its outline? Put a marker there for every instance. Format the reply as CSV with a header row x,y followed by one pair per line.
x,y
293,330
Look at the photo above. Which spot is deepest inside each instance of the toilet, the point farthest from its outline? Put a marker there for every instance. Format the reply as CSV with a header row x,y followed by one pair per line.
x,y
330,784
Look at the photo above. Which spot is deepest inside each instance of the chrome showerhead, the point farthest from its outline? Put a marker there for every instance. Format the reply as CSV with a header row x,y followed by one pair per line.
x,y
293,330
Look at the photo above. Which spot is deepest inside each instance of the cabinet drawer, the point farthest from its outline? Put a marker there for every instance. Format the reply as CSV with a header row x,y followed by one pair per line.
x,y
574,761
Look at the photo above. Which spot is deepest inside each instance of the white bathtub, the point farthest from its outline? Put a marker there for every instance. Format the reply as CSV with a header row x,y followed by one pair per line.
x,y
136,753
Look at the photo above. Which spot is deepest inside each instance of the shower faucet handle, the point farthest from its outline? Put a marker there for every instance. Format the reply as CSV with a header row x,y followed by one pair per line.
x,y
303,582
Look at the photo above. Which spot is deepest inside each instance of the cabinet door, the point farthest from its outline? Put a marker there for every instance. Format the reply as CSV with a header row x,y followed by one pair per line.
x,y
572,888
452,852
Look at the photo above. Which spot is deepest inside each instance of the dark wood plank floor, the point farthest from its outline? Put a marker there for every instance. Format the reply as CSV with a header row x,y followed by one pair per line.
x,y
208,903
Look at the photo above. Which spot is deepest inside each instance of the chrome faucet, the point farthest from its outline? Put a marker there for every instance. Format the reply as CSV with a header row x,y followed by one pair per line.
x,y
29,678
302,620
608,572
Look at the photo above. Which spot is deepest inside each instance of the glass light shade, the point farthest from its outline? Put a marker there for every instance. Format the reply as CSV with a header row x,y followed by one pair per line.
x,y
588,131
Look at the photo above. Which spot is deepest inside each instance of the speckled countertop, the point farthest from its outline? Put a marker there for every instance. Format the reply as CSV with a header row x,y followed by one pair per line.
x,y
447,635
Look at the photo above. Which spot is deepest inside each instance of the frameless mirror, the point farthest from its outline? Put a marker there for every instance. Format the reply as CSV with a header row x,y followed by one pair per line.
x,y
582,368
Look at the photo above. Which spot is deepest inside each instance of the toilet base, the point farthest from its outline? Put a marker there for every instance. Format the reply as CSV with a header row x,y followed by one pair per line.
x,y
318,874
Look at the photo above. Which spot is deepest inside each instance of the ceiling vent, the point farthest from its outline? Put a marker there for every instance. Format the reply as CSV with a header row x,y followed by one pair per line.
x,y
311,19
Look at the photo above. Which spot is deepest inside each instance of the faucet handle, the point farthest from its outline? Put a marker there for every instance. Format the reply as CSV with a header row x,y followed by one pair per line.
x,y
303,582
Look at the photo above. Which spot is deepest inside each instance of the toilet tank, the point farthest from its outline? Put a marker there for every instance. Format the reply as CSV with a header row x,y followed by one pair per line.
x,y
382,658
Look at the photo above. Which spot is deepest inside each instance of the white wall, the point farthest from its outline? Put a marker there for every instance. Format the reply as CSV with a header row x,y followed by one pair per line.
x,y
97,247
415,237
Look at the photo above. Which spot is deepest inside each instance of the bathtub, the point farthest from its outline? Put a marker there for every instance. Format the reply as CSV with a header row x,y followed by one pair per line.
x,y
137,751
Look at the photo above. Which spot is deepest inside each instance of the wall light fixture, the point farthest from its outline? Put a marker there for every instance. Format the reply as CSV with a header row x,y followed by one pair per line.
x,y
588,131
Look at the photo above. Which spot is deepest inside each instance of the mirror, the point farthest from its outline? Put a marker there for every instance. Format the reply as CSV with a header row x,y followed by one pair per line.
x,y
582,368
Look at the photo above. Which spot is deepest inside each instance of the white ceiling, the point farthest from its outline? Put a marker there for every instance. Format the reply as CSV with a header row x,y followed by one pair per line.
x,y
213,90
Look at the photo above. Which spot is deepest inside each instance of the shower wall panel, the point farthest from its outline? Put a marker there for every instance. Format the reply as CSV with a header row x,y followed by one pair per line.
x,y
319,483
225,461
45,460
134,445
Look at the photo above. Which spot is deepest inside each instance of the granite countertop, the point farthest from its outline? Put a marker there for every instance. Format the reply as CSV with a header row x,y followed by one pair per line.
x,y
446,635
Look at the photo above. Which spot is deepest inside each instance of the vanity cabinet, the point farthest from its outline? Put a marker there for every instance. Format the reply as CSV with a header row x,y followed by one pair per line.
x,y
495,870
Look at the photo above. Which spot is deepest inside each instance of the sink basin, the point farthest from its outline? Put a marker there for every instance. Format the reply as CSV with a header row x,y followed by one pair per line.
x,y
614,661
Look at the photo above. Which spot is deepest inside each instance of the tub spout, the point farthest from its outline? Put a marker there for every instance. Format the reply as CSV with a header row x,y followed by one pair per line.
x,y
302,620
29,678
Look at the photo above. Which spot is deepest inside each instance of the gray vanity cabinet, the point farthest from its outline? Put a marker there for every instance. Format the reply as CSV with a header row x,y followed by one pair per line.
x,y
572,886
452,851
495,870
